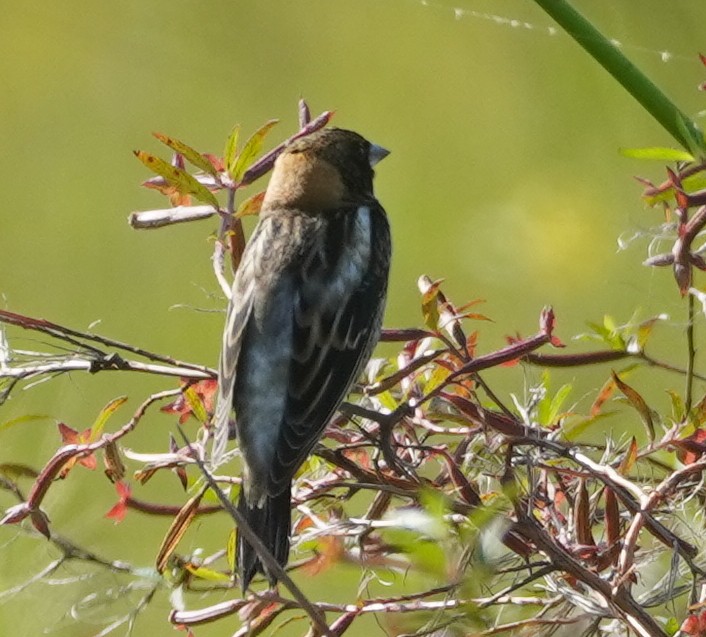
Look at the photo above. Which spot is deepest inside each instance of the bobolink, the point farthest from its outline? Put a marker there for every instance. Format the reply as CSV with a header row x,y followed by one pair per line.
x,y
305,314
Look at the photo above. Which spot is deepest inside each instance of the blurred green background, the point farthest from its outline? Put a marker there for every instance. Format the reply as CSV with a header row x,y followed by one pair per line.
x,y
504,179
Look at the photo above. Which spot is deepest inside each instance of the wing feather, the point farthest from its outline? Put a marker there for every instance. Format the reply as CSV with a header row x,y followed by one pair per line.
x,y
302,322
237,316
336,326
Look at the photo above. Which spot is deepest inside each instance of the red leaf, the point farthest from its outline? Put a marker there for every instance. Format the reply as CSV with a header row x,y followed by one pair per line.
x,y
216,162
70,436
582,516
118,511
604,394
359,456
691,448
612,518
40,522
330,552
204,389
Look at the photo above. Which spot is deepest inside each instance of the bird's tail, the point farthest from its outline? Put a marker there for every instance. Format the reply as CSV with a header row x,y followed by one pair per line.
x,y
271,523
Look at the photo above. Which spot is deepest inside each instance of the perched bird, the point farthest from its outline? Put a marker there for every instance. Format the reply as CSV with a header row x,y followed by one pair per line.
x,y
305,314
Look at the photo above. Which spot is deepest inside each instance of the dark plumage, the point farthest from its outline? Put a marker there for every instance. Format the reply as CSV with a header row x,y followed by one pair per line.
x,y
304,317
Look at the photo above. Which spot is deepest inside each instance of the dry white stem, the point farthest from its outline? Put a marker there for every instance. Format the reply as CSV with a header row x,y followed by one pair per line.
x,y
519,601
148,219
612,474
662,491
511,627
77,363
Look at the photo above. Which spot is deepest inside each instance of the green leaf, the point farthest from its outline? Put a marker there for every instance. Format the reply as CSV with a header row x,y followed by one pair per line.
x,y
207,574
438,377
608,333
658,153
613,336
495,504
426,555
250,151
609,324
697,415
211,497
13,471
550,407
692,135
105,413
230,152
678,407
196,404
579,427
436,504
693,183
671,626
230,549
430,305
387,400
311,465
180,179
13,422
643,332
191,155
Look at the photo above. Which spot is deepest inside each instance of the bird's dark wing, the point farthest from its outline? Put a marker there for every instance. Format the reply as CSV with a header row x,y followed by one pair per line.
x,y
338,306
237,317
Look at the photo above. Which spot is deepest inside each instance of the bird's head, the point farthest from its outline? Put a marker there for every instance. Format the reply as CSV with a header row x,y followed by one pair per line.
x,y
324,170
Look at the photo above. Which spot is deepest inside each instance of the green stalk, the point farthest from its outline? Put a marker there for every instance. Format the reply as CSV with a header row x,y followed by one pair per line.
x,y
677,124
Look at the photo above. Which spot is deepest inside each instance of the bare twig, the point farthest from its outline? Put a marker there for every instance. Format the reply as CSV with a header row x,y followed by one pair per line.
x,y
656,497
70,453
83,339
263,553
150,219
641,621
690,354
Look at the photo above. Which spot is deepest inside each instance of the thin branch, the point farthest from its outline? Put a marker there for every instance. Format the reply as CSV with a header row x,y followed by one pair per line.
x,y
690,353
65,334
112,362
626,491
656,497
532,622
150,219
70,453
641,621
262,551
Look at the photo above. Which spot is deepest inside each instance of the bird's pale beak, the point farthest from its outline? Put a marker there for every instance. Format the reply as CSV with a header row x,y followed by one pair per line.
x,y
376,154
